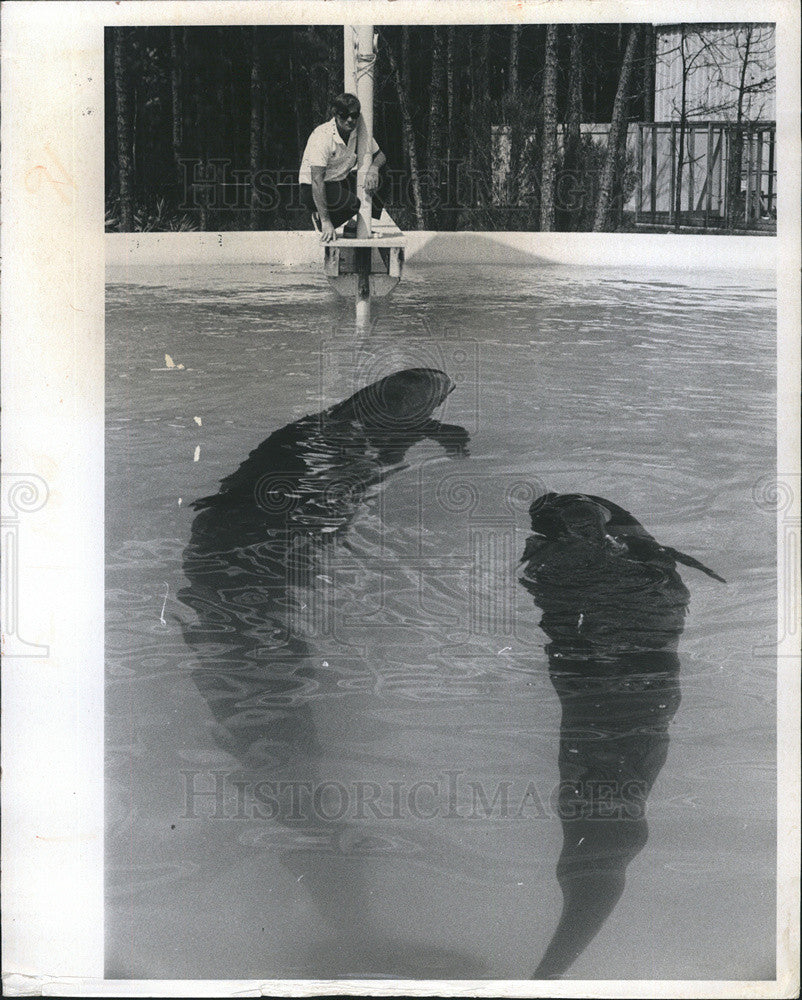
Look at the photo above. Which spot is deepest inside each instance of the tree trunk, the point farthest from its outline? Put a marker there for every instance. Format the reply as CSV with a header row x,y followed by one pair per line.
x,y
736,146
409,136
485,57
125,166
406,85
574,116
571,188
175,93
301,134
406,74
336,68
473,102
257,98
683,114
618,134
436,143
515,48
548,167
648,73
479,119
451,44
513,117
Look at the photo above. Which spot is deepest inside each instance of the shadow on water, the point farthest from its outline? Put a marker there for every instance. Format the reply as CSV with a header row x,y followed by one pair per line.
x,y
256,566
613,608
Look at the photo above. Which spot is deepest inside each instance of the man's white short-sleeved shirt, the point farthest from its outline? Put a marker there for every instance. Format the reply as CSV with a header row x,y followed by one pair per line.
x,y
325,148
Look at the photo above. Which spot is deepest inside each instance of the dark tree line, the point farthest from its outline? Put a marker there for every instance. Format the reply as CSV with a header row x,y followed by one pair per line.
x,y
205,126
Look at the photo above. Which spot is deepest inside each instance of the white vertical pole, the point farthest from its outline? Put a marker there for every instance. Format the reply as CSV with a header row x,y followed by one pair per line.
x,y
365,65
363,295
349,59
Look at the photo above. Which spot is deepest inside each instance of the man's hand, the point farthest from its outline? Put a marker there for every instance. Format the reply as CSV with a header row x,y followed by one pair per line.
x,y
371,180
327,233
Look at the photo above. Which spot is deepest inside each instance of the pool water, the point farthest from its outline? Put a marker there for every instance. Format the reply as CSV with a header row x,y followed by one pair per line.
x,y
388,806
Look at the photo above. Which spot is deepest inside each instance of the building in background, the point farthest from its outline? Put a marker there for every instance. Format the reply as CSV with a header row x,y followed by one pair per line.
x,y
708,158
720,72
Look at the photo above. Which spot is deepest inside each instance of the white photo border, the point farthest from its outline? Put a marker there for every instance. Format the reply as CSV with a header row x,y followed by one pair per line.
x,y
53,292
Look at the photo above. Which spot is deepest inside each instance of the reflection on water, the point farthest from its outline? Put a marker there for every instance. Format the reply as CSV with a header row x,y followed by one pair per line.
x,y
614,608
256,566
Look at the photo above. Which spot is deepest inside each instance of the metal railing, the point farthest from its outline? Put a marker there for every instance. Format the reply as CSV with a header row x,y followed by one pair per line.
x,y
715,175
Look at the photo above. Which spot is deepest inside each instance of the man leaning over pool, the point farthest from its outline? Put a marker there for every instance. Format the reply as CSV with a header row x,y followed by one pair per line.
x,y
328,170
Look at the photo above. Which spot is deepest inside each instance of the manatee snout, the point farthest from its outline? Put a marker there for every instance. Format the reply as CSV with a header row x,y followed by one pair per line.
x,y
404,399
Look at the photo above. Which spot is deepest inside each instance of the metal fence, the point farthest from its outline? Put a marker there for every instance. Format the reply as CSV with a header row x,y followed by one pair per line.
x,y
727,177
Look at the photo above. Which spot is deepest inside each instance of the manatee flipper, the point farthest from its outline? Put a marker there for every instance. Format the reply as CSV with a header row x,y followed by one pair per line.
x,y
531,546
690,561
634,532
648,550
453,438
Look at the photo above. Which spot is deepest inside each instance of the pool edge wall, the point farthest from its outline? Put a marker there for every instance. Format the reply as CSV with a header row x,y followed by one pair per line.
x,y
302,251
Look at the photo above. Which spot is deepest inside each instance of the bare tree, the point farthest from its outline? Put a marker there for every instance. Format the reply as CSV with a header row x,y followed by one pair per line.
x,y
685,64
125,165
437,122
405,77
409,135
480,103
696,52
548,169
729,70
571,187
648,73
515,47
616,138
257,123
754,47
574,113
175,94
451,47
513,117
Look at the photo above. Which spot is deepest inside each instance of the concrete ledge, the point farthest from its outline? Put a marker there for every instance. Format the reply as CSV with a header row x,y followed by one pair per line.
x,y
302,251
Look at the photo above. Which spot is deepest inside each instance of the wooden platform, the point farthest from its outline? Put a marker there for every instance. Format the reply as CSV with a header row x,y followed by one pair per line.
x,y
342,264
385,234
389,240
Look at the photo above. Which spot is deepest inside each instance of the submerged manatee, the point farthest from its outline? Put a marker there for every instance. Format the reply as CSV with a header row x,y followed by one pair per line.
x,y
257,566
258,545
300,488
582,518
349,444
614,608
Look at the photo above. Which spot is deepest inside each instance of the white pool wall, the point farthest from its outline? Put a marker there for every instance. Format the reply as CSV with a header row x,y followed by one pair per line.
x,y
302,251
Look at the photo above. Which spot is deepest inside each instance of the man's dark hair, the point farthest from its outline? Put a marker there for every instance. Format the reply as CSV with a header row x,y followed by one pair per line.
x,y
346,104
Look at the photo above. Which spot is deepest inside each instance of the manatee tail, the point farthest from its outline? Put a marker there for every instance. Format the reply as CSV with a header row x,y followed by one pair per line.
x,y
585,911
690,561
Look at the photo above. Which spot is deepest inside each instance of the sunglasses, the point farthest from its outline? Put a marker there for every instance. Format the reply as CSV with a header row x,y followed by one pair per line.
x,y
350,116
